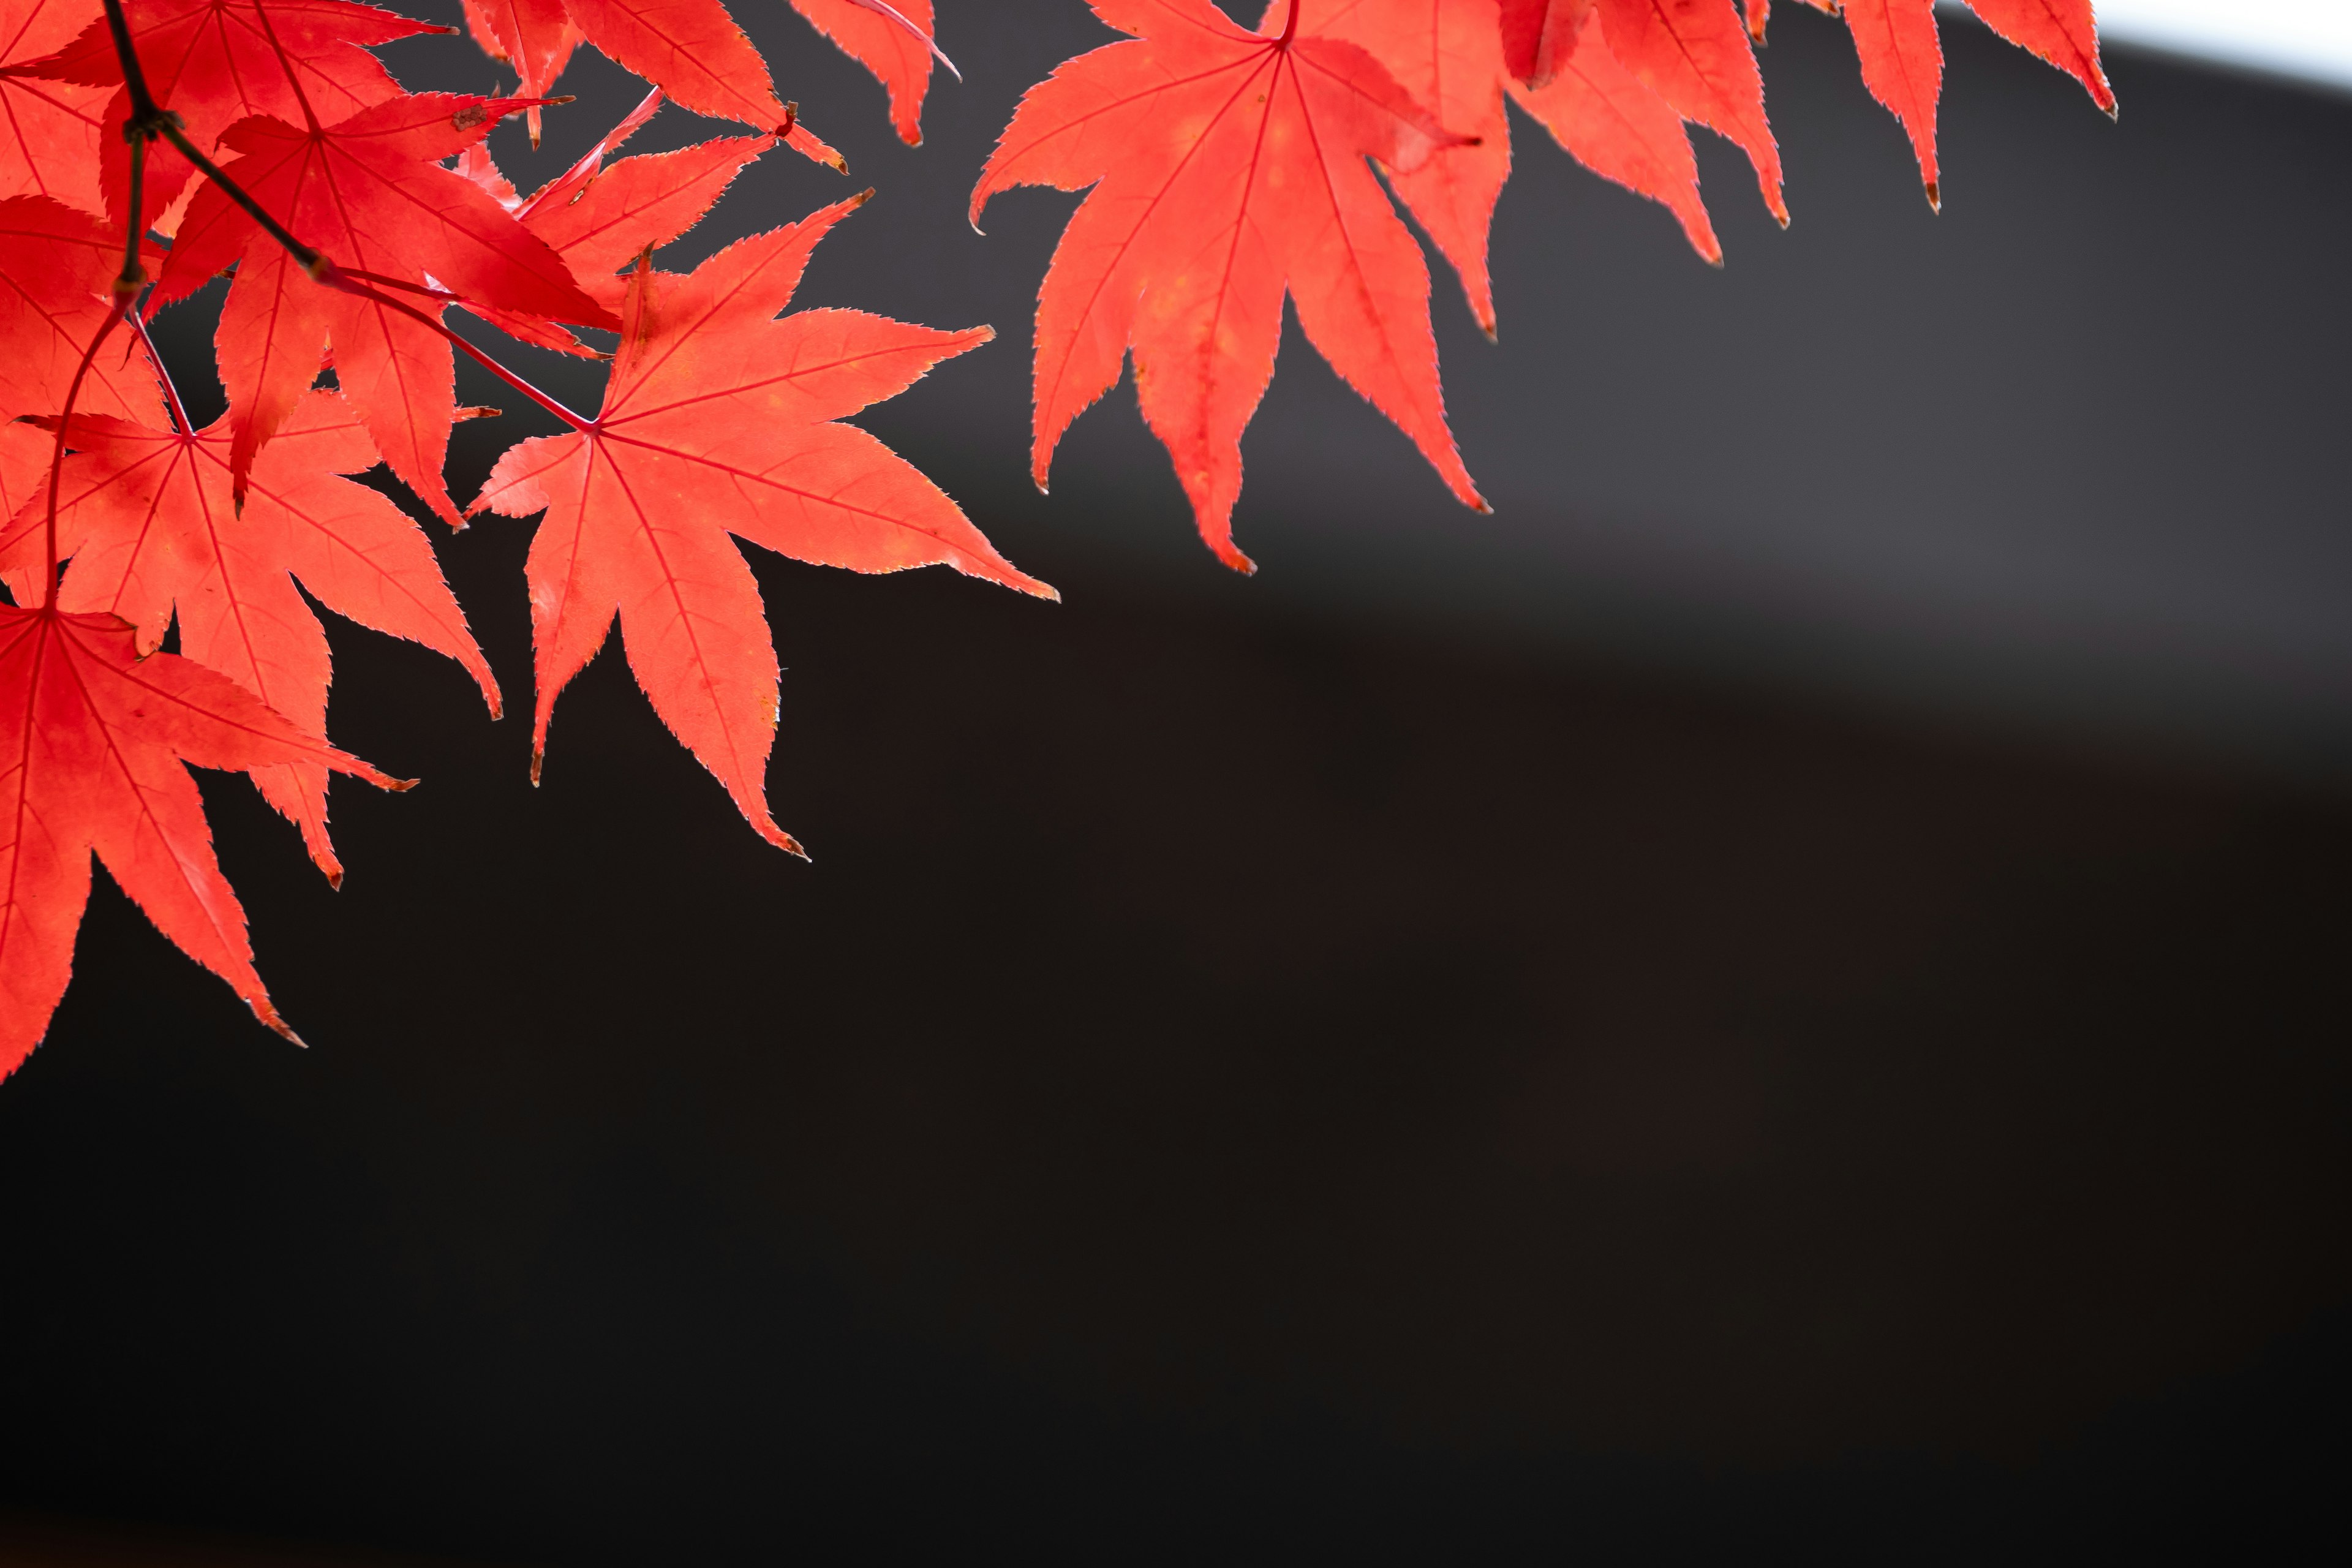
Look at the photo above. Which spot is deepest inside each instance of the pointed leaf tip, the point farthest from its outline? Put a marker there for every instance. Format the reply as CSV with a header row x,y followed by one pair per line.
x,y
269,1019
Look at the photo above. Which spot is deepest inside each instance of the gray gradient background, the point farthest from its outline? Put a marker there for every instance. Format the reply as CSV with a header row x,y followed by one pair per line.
x,y
1784,994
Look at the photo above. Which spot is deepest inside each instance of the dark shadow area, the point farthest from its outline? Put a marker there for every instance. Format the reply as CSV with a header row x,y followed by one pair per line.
x,y
1626,1030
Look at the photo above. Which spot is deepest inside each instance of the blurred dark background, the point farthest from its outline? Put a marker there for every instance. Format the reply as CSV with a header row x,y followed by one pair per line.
x,y
1787,993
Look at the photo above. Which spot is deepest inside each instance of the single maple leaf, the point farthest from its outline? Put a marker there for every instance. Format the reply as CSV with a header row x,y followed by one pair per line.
x,y
145,515
2061,32
93,742
370,194
719,418
1535,35
214,62
1903,66
1696,55
48,130
57,267
535,36
1228,167
893,41
1451,58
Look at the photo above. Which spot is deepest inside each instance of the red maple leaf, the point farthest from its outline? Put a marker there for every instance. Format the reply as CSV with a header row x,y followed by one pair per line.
x,y
214,62
1696,56
56,266
93,740
146,516
691,49
535,36
1902,59
600,219
1229,167
719,418
1535,35
694,51
1903,66
1451,56
48,130
893,41
2061,32
369,193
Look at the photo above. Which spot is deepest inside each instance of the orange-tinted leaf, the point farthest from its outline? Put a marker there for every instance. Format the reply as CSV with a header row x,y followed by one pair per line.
x,y
1903,66
1446,55
1450,56
585,167
1536,35
57,264
693,51
147,517
599,219
93,743
2061,32
1229,167
1696,56
719,419
48,130
214,62
368,193
535,36
899,60
1620,130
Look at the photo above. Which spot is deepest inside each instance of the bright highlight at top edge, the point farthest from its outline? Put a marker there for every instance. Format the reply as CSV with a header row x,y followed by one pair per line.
x,y
2307,38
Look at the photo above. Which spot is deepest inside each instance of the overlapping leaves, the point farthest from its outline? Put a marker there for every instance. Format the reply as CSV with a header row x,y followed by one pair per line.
x,y
353,216
1227,169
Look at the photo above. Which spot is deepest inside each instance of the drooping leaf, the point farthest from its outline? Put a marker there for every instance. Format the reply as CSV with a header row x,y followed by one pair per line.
x,y
894,44
1615,126
1448,57
1695,54
1229,167
1451,58
1537,35
146,516
370,193
719,418
2061,32
93,742
1903,66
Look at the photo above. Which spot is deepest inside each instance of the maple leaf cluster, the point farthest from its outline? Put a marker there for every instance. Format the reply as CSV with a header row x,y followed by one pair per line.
x,y
1230,167
150,146
262,139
